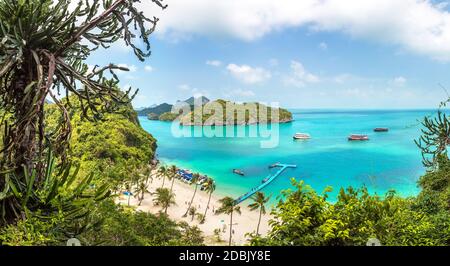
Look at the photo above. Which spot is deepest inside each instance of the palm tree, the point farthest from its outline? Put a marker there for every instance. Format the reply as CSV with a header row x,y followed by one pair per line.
x,y
229,207
164,198
259,202
149,177
140,191
195,178
210,187
162,172
192,212
172,173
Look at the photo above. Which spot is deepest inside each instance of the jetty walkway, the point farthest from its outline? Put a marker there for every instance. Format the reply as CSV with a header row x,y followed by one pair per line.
x,y
265,182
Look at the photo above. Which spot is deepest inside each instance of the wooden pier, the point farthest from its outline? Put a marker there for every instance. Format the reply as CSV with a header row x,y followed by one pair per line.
x,y
264,184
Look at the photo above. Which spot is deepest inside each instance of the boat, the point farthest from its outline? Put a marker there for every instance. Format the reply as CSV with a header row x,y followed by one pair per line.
x,y
301,136
238,172
358,137
265,180
381,129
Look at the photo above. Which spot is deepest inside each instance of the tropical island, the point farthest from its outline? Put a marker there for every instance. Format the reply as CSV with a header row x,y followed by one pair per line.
x,y
215,113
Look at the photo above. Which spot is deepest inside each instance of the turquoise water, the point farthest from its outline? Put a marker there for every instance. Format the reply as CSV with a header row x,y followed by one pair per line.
x,y
388,161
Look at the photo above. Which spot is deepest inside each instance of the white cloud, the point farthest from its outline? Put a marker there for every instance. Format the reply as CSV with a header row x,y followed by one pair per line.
x,y
149,68
323,46
248,74
299,76
215,63
399,81
419,26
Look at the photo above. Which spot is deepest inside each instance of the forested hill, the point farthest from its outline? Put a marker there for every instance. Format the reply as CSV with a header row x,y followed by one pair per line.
x,y
206,114
114,147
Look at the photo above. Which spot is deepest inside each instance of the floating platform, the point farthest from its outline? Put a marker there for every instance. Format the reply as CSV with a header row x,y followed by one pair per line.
x,y
267,181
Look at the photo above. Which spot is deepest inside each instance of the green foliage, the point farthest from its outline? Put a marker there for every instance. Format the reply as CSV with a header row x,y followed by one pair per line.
x,y
152,116
114,148
31,232
168,116
126,227
164,198
435,138
306,218
43,48
48,210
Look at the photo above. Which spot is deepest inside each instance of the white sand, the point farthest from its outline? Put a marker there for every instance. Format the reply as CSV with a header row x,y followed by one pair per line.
x,y
242,224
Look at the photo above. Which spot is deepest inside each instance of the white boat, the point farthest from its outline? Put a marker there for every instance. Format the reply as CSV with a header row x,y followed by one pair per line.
x,y
358,137
301,136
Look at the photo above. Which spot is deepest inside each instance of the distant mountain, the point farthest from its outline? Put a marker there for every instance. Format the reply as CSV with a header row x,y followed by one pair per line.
x,y
157,110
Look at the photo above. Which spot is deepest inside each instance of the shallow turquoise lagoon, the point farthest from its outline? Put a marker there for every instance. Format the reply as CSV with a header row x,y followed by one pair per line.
x,y
388,161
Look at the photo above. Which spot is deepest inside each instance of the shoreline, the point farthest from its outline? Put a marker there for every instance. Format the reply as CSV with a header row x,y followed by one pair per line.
x,y
274,200
242,224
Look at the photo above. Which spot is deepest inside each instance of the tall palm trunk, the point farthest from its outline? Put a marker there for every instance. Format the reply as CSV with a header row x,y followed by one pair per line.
x,y
164,180
207,207
165,208
231,228
259,221
192,200
141,198
171,186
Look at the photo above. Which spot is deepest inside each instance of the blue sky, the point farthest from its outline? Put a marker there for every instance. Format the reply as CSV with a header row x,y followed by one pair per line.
x,y
301,54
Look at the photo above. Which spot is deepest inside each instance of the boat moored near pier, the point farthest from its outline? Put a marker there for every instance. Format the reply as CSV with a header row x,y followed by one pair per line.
x,y
238,172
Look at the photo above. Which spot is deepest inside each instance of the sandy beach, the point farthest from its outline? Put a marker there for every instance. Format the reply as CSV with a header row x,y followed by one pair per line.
x,y
242,224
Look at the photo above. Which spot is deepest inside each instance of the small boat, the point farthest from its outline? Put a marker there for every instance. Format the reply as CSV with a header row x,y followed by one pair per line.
x,y
358,137
301,136
265,180
238,172
274,165
381,129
